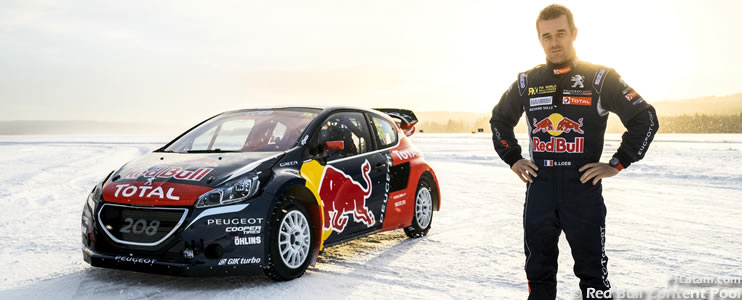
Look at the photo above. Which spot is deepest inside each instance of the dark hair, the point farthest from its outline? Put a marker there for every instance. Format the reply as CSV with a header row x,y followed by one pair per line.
x,y
555,11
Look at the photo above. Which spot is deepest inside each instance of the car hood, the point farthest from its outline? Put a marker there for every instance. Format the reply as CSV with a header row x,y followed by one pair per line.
x,y
178,179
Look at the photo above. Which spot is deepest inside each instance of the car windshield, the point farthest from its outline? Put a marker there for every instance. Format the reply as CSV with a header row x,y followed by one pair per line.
x,y
246,131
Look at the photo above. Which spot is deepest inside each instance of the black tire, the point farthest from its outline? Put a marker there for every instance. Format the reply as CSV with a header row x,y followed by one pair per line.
x,y
420,222
280,267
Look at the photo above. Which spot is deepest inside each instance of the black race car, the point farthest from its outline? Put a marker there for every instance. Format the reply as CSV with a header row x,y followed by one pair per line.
x,y
261,190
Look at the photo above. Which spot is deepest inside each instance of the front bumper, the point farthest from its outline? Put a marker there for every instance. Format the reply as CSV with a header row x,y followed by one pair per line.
x,y
222,240
152,265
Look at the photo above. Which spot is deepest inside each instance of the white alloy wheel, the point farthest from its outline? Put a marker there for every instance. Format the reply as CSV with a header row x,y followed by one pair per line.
x,y
294,239
423,207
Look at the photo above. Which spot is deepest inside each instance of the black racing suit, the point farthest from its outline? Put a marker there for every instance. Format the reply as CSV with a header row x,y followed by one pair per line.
x,y
567,109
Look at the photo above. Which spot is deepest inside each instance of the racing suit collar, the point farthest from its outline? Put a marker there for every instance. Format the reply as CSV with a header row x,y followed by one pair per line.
x,y
562,68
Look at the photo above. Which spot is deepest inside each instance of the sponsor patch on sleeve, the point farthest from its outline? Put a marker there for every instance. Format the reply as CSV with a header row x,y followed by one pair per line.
x,y
631,95
522,83
599,80
599,77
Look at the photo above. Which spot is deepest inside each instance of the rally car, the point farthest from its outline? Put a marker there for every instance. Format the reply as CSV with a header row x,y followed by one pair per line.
x,y
261,190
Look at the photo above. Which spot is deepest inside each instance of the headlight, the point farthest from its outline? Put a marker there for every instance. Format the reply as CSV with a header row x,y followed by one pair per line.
x,y
93,197
95,194
240,190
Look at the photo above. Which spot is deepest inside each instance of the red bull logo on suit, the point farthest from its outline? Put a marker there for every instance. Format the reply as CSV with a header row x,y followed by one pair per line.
x,y
555,125
341,195
559,145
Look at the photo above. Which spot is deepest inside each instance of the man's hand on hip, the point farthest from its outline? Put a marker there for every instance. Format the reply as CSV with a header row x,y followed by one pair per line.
x,y
525,168
596,171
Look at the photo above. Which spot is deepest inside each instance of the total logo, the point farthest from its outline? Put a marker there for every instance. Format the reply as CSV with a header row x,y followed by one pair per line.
x,y
128,190
555,125
404,154
574,100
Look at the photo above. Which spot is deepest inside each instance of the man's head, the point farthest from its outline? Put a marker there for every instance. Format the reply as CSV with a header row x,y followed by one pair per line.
x,y
557,32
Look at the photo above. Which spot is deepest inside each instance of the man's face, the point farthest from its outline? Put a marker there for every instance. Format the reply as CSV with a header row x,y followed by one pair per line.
x,y
557,39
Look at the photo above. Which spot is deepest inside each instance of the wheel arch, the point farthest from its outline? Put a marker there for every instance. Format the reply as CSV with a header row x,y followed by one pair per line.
x,y
302,194
292,184
429,175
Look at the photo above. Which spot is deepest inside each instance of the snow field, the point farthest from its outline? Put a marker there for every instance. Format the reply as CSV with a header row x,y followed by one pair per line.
x,y
673,214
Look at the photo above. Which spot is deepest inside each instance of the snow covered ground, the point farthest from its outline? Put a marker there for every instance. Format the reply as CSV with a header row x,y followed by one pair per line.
x,y
677,213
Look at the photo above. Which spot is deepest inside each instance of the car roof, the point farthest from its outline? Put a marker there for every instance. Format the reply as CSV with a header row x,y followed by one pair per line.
x,y
319,107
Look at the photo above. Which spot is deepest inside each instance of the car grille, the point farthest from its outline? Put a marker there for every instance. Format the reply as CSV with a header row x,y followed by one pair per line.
x,y
140,226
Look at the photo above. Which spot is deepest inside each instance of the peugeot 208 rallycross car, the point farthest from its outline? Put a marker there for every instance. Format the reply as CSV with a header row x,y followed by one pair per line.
x,y
261,190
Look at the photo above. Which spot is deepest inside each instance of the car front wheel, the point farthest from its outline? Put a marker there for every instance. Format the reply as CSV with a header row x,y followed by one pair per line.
x,y
291,240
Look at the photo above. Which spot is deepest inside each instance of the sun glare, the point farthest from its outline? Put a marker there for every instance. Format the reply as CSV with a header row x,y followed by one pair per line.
x,y
426,56
658,47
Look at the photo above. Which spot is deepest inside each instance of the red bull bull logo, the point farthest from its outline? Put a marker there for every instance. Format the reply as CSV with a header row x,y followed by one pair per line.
x,y
555,125
341,195
544,125
567,125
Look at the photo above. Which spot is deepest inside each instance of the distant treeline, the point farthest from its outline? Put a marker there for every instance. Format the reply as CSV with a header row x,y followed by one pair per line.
x,y
701,123
455,126
698,123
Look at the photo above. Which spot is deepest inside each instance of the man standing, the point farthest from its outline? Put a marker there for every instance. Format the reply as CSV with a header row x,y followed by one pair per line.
x,y
567,103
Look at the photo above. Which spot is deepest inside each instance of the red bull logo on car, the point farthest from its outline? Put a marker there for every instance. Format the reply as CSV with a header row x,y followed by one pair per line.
x,y
167,172
341,195
555,125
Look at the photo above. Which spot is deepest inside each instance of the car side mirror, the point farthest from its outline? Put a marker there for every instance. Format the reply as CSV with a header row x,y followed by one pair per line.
x,y
334,145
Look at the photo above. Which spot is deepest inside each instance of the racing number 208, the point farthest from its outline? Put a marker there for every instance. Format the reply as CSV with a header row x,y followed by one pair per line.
x,y
140,226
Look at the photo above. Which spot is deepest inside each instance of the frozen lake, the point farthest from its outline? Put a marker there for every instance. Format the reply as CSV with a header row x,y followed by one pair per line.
x,y
676,213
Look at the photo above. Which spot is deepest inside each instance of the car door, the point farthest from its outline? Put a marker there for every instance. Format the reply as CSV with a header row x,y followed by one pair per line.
x,y
353,185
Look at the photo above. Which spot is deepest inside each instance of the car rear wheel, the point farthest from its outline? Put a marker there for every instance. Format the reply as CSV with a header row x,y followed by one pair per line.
x,y
423,215
291,242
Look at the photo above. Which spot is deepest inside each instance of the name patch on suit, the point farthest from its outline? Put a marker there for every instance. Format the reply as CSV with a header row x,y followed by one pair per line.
x,y
538,101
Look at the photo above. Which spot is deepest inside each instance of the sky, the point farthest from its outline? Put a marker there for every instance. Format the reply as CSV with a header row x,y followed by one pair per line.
x,y
184,61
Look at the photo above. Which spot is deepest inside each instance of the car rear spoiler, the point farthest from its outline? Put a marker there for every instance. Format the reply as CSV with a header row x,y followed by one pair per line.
x,y
405,118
